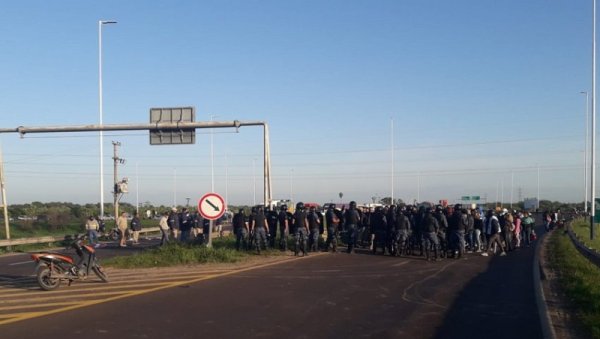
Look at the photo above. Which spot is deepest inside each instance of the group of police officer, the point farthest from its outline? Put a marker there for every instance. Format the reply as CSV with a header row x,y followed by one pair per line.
x,y
435,232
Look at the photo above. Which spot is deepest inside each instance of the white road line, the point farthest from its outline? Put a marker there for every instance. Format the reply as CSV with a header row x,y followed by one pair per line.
x,y
21,263
400,263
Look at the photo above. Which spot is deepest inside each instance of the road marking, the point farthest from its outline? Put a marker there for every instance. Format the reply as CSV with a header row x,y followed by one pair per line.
x,y
401,263
21,263
420,299
18,307
92,297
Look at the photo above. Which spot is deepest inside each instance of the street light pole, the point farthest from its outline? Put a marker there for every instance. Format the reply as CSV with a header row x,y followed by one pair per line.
x,y
392,137
593,159
585,152
100,23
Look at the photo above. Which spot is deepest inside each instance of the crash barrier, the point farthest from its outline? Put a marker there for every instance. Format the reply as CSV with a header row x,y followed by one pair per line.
x,y
69,238
590,253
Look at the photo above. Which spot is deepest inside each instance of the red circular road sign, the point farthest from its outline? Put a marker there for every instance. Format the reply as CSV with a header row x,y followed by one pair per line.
x,y
211,206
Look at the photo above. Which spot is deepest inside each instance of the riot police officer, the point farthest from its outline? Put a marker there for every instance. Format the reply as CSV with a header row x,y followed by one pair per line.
x,y
259,229
272,222
442,230
333,224
300,229
240,229
351,221
379,227
314,226
251,218
400,233
284,227
429,228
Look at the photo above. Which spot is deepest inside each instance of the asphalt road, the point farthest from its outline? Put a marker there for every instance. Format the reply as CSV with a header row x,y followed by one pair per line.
x,y
320,296
17,265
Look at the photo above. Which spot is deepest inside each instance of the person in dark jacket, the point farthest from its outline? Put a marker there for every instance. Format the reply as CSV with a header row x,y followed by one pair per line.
x,y
259,229
333,224
379,227
351,223
284,227
300,229
314,224
401,229
186,222
442,230
429,229
136,227
272,219
458,227
173,222
241,230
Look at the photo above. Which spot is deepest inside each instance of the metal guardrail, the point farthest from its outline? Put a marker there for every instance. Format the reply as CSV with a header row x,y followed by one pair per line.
x,y
590,253
52,239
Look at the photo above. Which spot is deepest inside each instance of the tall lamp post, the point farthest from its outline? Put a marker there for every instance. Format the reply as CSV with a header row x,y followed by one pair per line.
x,y
593,158
585,152
100,24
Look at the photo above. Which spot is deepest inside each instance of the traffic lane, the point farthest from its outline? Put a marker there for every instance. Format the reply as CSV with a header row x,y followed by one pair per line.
x,y
499,303
19,265
15,265
319,297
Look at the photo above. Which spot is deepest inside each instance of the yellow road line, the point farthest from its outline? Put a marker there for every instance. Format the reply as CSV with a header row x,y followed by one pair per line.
x,y
55,297
19,307
161,272
30,315
99,287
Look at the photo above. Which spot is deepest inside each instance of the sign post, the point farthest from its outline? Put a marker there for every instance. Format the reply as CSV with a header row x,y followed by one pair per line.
x,y
211,206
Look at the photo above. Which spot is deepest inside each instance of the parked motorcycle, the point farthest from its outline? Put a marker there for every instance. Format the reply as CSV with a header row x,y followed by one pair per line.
x,y
53,268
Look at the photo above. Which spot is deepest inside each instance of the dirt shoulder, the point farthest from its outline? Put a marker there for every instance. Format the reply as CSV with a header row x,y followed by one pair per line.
x,y
561,311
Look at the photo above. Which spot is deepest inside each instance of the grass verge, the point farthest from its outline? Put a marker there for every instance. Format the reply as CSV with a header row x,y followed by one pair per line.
x,y
581,227
579,279
173,254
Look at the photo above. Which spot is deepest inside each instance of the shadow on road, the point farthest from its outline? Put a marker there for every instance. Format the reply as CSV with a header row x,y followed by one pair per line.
x,y
498,303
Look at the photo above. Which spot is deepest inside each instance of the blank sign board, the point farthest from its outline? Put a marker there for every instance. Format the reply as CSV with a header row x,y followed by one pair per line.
x,y
176,136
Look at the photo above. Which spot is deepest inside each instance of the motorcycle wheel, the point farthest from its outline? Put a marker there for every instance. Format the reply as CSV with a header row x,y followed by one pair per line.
x,y
45,281
99,271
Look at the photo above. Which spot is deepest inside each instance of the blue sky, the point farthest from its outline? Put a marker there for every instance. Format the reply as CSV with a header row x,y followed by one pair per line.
x,y
481,93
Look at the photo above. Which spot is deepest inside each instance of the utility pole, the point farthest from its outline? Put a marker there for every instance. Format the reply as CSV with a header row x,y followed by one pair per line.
x,y
118,189
4,204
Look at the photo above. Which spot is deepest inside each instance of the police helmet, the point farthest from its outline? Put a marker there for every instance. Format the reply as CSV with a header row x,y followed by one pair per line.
x,y
284,207
353,204
300,206
331,206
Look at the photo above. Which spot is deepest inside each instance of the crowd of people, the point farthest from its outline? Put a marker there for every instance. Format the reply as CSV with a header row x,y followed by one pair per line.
x,y
174,226
434,232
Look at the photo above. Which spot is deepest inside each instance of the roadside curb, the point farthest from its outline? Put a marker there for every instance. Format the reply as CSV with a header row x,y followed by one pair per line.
x,y
540,298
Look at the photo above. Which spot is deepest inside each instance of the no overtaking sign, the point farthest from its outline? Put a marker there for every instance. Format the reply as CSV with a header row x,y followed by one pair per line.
x,y
211,206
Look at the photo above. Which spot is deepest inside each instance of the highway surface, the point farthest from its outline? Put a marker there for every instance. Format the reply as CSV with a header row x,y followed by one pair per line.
x,y
320,296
